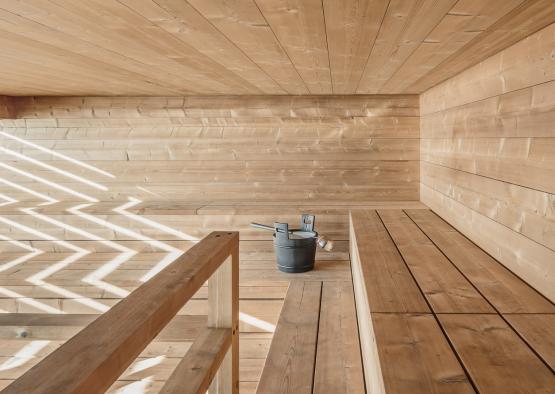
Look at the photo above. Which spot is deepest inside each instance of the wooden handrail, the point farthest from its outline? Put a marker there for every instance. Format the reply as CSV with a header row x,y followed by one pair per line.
x,y
94,358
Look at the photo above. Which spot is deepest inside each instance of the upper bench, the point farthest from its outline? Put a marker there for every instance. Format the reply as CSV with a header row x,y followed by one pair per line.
x,y
438,314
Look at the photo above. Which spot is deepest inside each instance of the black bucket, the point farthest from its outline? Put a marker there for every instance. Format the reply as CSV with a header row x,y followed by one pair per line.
x,y
296,252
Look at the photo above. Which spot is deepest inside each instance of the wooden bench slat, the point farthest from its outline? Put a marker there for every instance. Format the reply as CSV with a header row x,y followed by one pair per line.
x,y
289,367
389,284
497,360
196,370
446,289
507,292
538,330
338,362
415,355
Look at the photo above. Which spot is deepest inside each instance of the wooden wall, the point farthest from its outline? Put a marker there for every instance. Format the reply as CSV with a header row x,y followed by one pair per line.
x,y
488,156
97,194
232,149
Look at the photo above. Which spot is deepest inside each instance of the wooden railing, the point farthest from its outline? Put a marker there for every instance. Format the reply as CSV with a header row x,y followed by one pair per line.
x,y
92,360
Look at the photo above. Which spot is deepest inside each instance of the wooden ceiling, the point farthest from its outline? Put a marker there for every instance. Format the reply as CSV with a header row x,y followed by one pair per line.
x,y
207,47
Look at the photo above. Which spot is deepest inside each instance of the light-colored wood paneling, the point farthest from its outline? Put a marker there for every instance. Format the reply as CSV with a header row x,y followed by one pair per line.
x,y
536,331
351,30
338,365
523,65
207,149
465,21
300,27
445,288
379,261
503,289
290,363
522,21
242,23
173,47
488,156
193,164
488,348
424,366
404,28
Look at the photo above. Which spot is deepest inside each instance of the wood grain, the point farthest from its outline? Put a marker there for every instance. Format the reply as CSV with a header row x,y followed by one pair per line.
x,y
522,65
300,27
381,263
196,370
338,367
487,149
497,360
536,330
404,28
132,324
171,47
204,149
290,363
244,25
415,356
371,361
521,22
7,108
502,288
465,21
446,289
351,29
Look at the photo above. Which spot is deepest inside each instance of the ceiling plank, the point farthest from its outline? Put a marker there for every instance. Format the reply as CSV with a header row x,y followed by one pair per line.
x,y
243,23
405,27
168,46
29,57
252,47
300,27
184,22
464,22
114,27
352,27
38,32
528,18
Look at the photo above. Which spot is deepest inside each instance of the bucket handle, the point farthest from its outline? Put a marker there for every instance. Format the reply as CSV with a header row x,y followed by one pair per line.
x,y
282,230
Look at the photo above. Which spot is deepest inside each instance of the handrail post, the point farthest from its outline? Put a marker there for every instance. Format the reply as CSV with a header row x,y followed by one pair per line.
x,y
223,303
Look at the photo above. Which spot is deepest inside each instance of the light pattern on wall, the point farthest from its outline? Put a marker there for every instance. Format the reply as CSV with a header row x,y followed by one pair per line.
x,y
23,244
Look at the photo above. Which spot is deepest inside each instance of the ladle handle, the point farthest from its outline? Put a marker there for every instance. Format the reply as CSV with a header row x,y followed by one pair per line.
x,y
269,228
263,227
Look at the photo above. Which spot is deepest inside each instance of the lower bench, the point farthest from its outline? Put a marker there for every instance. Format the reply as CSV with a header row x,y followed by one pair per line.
x,y
315,348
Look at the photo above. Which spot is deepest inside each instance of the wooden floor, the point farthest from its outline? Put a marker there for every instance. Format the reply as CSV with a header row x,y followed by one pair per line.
x,y
445,316
69,266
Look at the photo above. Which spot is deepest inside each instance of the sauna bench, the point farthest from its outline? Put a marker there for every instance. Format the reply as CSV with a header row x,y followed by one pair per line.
x,y
438,314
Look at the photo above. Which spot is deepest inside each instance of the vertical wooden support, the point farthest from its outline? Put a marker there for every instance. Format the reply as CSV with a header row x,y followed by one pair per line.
x,y
223,302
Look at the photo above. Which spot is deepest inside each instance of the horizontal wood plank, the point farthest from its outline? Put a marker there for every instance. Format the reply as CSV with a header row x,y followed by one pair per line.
x,y
446,289
388,282
502,288
536,330
497,360
415,356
